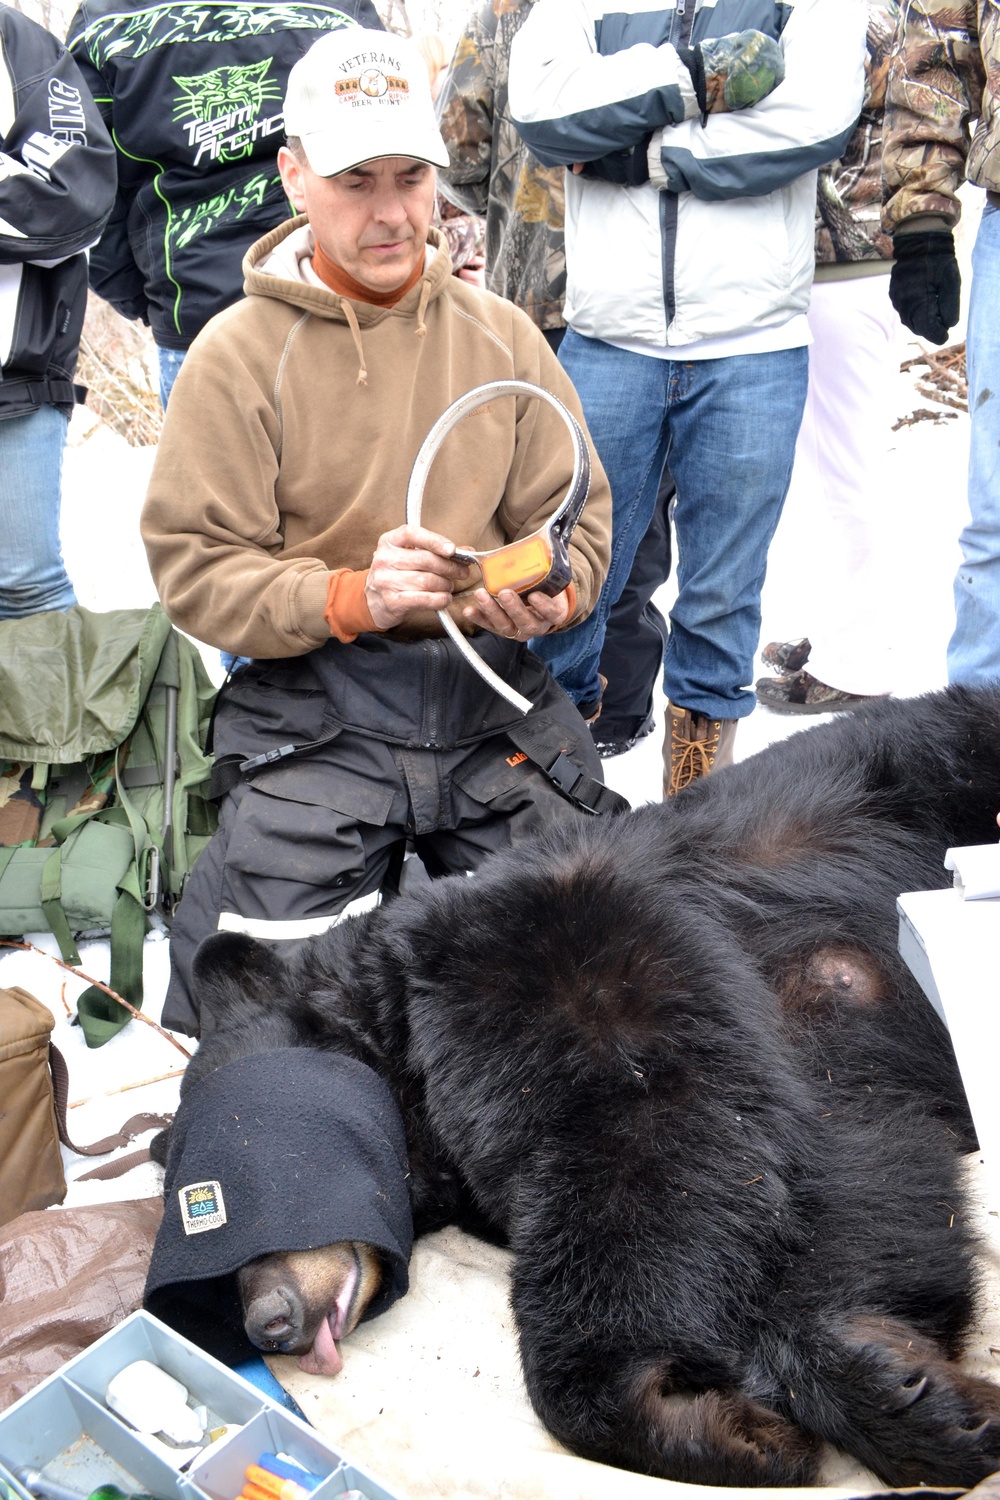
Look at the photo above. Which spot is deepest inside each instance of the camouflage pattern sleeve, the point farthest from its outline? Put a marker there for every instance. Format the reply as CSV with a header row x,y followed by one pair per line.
x,y
492,171
463,232
465,114
943,54
849,190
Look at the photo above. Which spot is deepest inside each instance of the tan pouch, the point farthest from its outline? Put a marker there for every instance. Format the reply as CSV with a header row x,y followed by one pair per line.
x,y
31,1172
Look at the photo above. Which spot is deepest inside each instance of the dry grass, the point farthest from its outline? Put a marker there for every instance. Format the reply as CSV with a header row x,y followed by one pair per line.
x,y
945,383
118,365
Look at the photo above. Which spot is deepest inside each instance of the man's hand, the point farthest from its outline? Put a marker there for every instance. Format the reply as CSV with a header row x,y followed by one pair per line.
x,y
516,618
734,72
412,569
474,271
925,285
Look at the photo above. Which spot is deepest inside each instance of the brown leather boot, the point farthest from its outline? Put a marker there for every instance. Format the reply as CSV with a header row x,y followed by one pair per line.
x,y
694,746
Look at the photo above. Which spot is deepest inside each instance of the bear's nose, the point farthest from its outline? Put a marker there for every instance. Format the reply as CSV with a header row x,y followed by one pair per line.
x,y
272,1318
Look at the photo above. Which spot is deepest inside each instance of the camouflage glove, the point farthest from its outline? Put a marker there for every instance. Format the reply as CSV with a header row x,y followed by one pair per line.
x,y
733,72
925,285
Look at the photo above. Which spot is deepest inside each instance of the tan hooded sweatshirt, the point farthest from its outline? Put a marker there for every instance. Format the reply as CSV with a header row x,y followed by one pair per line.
x,y
292,430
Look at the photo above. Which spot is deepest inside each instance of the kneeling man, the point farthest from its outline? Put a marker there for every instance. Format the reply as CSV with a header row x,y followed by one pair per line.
x,y
275,529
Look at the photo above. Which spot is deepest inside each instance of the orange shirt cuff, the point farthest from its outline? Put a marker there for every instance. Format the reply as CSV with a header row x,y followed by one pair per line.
x,y
347,612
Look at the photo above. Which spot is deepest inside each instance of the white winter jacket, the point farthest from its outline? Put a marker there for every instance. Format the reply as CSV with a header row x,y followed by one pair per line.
x,y
719,241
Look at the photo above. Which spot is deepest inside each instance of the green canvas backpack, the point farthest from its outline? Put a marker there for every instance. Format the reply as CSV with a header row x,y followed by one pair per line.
x,y
104,721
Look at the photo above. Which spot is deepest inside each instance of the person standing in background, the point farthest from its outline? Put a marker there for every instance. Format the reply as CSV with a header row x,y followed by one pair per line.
x,y
463,229
192,94
943,74
492,172
57,188
839,456
694,138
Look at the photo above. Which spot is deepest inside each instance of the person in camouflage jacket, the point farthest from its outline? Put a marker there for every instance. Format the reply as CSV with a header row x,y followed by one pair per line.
x,y
945,72
849,190
493,173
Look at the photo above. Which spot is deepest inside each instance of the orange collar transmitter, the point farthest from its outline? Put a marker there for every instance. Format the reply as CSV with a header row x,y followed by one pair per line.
x,y
538,563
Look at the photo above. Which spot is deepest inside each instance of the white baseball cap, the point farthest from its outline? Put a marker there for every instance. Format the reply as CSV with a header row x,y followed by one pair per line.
x,y
357,95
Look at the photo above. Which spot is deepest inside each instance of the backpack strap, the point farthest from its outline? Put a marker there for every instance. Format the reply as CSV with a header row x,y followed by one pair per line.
x,y
146,854
100,1016
121,1166
133,1127
50,898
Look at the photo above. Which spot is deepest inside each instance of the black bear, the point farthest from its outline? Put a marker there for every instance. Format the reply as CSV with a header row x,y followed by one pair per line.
x,y
675,1062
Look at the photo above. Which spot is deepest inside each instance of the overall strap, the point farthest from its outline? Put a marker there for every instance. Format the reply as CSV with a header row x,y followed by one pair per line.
x,y
544,744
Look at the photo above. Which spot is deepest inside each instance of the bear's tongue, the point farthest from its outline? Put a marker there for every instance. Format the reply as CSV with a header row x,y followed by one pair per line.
x,y
324,1356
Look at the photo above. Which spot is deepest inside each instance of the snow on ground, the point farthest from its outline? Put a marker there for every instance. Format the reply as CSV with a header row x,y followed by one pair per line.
x,y
104,483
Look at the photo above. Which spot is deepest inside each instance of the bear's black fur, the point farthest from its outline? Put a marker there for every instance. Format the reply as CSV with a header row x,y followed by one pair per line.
x,y
674,1060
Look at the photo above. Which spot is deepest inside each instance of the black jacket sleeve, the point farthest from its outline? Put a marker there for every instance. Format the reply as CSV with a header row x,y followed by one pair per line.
x,y
57,162
114,274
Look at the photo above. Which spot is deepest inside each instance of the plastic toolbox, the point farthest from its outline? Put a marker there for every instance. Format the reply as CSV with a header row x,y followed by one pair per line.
x,y
64,1431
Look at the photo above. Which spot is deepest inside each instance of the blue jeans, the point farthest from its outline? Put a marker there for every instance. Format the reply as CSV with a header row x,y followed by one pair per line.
x,y
729,427
33,576
974,649
170,365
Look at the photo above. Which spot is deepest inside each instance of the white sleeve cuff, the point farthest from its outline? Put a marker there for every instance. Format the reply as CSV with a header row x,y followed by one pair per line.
x,y
657,176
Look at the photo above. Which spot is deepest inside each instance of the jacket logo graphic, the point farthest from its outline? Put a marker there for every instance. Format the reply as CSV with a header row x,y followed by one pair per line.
x,y
39,155
133,35
220,110
201,1207
67,121
228,207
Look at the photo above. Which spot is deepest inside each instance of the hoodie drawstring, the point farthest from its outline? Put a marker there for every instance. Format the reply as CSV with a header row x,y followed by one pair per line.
x,y
425,295
351,319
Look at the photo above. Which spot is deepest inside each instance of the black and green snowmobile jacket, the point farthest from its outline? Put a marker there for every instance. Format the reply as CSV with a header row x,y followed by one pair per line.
x,y
57,186
192,93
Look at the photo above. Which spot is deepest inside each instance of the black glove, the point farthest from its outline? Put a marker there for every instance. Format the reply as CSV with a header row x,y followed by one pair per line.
x,y
630,168
925,285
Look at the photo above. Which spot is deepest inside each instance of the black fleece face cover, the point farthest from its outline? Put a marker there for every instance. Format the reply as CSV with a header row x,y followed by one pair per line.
x,y
294,1149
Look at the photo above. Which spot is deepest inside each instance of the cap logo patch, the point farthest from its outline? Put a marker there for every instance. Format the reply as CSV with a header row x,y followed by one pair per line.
x,y
202,1207
373,84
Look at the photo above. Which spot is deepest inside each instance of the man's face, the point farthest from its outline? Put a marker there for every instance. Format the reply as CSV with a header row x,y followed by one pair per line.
x,y
371,221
